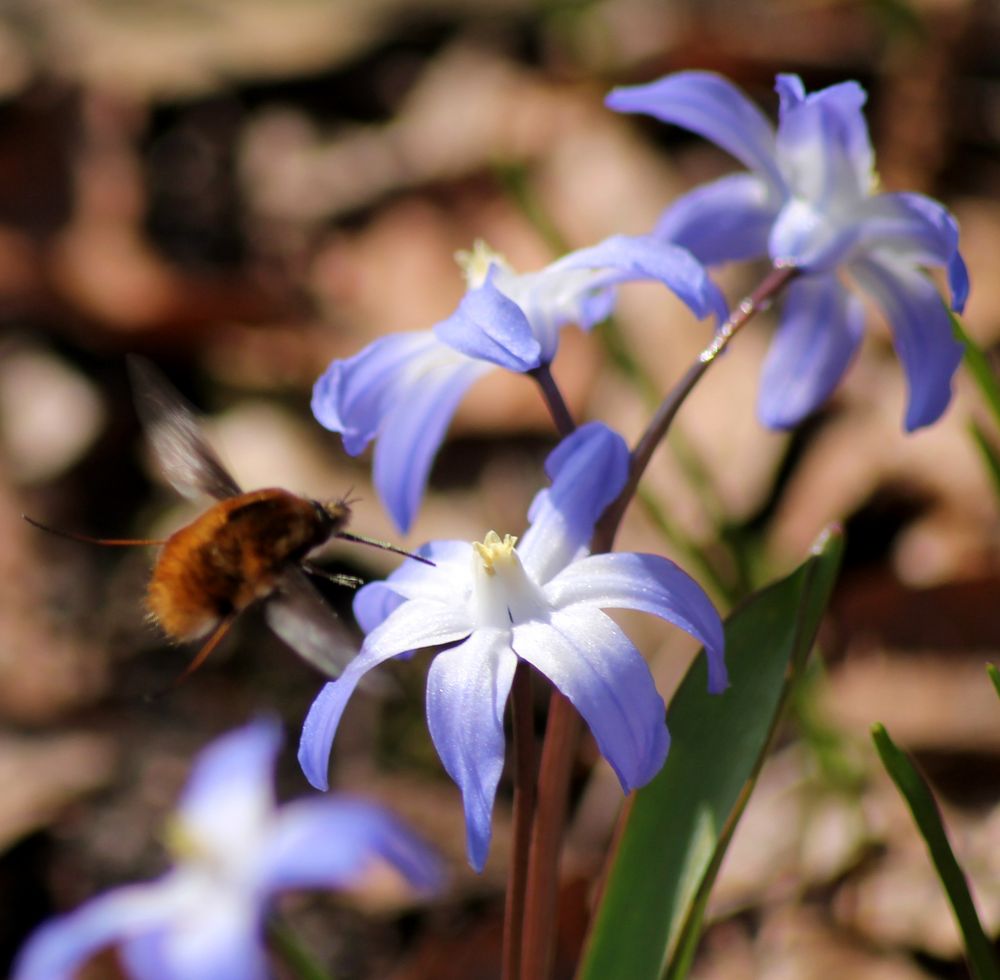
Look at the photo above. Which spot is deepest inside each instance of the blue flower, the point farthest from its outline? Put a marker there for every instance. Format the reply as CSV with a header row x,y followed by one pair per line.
x,y
234,849
404,388
810,200
541,603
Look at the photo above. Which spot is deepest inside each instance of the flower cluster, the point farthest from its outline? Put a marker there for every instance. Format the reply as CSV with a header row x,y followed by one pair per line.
x,y
810,204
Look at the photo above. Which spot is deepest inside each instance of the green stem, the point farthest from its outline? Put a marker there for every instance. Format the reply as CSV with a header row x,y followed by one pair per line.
x,y
293,951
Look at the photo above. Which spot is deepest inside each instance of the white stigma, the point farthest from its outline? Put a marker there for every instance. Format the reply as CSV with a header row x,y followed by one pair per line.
x,y
475,264
504,594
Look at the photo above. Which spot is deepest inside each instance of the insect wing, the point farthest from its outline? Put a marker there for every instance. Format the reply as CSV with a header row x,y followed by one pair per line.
x,y
300,617
174,434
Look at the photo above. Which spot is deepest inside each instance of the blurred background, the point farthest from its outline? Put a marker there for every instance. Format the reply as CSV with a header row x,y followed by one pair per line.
x,y
242,190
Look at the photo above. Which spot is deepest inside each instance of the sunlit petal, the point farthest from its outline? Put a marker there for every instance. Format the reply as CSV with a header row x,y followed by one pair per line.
x,y
467,689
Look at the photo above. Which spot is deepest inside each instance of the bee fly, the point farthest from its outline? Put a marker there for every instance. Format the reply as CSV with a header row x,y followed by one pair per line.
x,y
249,547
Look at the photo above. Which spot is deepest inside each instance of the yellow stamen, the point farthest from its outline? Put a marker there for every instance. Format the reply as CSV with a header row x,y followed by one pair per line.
x,y
492,550
179,839
475,263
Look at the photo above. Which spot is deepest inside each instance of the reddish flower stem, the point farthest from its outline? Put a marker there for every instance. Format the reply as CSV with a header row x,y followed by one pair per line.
x,y
564,725
523,730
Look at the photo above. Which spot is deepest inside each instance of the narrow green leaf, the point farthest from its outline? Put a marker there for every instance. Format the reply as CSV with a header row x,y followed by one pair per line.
x,y
991,669
979,367
990,456
927,817
300,961
680,824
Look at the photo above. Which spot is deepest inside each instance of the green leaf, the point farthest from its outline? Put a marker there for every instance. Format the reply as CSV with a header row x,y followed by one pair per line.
x,y
680,824
925,812
990,456
979,367
991,669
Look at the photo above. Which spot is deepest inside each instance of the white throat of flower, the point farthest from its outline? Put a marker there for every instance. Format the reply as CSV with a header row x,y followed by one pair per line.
x,y
503,592
475,264
224,862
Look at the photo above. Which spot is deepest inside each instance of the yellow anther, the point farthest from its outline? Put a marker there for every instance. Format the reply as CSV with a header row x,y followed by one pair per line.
x,y
475,263
179,840
492,550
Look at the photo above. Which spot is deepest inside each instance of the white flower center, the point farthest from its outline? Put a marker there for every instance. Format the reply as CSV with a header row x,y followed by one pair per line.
x,y
475,264
503,593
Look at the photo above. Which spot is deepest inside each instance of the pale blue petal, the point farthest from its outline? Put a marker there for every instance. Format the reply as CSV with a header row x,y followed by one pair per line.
x,y
61,946
711,106
727,220
467,688
490,326
447,581
823,147
413,429
820,330
958,282
625,258
805,235
414,624
588,470
217,940
230,790
921,332
920,229
649,583
791,92
353,396
332,842
591,661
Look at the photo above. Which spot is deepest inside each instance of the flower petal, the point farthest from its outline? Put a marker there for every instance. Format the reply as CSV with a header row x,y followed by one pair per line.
x,y
490,326
823,147
919,229
229,796
726,220
921,332
413,429
596,666
333,841
414,624
820,329
467,689
623,258
446,581
217,938
61,946
711,106
353,396
649,583
563,516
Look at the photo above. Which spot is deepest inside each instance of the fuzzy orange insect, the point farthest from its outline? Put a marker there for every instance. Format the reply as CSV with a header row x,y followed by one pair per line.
x,y
247,548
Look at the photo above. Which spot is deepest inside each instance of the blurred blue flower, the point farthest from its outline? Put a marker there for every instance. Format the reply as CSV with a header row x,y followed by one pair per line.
x,y
810,200
542,603
404,388
234,849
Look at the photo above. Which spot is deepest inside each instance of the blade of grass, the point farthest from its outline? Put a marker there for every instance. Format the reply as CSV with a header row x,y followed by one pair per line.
x,y
979,367
927,817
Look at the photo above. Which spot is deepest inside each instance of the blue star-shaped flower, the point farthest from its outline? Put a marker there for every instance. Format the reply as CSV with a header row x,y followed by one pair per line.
x,y
404,388
541,603
234,849
810,200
